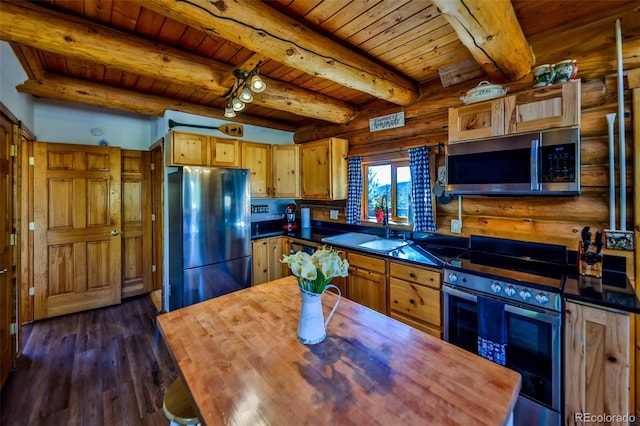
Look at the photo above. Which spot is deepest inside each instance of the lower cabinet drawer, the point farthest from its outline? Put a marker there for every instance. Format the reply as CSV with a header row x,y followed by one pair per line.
x,y
415,301
416,274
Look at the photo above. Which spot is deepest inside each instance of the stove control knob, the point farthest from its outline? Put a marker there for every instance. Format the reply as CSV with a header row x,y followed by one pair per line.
x,y
542,298
496,287
525,295
453,277
510,291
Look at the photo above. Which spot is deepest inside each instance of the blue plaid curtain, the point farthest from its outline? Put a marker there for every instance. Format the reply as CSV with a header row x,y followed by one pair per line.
x,y
421,189
354,190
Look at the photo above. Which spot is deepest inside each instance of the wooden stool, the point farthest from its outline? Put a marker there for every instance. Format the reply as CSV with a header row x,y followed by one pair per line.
x,y
177,405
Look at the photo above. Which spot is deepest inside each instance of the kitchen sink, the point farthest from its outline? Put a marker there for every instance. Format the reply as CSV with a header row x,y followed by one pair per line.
x,y
384,245
366,242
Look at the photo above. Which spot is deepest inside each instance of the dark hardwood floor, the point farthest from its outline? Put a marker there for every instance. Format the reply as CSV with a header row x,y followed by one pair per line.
x,y
108,366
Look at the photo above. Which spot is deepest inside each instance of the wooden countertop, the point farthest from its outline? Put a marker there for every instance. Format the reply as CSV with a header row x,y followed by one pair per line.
x,y
243,365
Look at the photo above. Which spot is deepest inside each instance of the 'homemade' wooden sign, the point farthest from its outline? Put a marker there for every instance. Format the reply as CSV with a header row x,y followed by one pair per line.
x,y
386,122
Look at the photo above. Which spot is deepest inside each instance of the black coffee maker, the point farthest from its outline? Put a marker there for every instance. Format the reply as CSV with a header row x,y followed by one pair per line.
x,y
290,217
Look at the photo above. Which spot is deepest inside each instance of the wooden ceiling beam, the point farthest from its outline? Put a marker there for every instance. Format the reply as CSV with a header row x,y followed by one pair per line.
x,y
262,29
492,33
54,86
22,22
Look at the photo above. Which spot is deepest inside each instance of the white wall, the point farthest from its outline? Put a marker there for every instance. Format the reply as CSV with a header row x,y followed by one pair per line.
x,y
68,122
12,74
251,133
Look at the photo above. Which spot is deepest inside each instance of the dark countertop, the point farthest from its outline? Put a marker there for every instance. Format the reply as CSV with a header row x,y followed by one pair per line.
x,y
423,252
612,291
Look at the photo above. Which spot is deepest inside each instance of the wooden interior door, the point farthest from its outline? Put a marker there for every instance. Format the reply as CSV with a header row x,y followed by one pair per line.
x,y
136,223
7,300
77,233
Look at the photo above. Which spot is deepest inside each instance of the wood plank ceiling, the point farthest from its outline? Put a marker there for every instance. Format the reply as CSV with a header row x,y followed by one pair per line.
x,y
325,61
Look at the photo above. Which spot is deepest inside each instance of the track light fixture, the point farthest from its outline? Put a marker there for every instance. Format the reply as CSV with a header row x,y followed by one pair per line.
x,y
240,93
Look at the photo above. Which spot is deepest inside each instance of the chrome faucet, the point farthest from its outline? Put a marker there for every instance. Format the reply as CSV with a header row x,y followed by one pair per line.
x,y
385,219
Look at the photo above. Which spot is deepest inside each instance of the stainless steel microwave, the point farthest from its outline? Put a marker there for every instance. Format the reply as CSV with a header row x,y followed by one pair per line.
x,y
540,163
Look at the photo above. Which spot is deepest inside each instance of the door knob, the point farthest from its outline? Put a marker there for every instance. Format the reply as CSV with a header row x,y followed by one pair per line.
x,y
2,271
114,233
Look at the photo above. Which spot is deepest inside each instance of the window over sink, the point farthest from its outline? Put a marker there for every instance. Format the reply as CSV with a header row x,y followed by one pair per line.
x,y
386,177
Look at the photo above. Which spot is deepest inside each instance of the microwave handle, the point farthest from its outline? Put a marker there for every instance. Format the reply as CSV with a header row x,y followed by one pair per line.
x,y
535,150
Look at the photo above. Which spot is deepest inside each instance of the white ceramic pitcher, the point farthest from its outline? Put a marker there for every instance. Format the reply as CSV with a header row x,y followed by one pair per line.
x,y
312,325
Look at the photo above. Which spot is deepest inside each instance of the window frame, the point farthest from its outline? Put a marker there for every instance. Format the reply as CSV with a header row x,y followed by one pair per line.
x,y
395,161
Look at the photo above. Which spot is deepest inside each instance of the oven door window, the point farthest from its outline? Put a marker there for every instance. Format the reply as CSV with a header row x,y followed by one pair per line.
x,y
463,323
530,353
530,346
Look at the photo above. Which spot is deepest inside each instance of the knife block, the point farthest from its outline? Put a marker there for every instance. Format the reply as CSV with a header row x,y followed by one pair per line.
x,y
589,262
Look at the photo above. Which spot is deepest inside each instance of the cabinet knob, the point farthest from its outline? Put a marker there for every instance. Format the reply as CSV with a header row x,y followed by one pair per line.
x,y
412,275
412,301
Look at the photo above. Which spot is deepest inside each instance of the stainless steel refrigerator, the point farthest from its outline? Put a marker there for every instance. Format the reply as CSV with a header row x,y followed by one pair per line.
x,y
209,233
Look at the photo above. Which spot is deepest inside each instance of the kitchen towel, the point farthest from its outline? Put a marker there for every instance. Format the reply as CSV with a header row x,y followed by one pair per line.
x,y
492,330
305,217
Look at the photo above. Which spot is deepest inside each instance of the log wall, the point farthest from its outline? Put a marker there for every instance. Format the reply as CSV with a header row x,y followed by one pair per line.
x,y
545,219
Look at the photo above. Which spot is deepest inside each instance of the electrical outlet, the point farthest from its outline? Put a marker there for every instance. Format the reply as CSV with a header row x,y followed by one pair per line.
x,y
333,214
456,226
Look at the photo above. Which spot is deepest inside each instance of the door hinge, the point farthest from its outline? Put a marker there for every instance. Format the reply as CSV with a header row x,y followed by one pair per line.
x,y
13,239
153,268
32,226
13,329
13,151
153,217
32,291
32,161
153,166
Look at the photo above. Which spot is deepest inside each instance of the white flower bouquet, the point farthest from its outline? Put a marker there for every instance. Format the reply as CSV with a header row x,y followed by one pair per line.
x,y
315,271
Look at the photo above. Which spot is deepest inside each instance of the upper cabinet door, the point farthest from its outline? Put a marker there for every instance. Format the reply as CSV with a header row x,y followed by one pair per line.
x,y
188,149
225,152
257,158
286,171
324,169
549,107
475,121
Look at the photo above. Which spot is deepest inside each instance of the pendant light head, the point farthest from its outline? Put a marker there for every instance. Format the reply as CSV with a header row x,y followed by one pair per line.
x,y
237,104
228,111
257,84
245,95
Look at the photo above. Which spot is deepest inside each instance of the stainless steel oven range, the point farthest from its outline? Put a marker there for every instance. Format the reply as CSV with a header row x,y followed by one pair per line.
x,y
514,289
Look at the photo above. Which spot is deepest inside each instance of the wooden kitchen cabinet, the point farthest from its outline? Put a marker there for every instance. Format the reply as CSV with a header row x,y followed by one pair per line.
x,y
286,171
367,281
415,297
532,110
266,255
596,359
190,149
475,121
257,158
324,169
225,152
549,107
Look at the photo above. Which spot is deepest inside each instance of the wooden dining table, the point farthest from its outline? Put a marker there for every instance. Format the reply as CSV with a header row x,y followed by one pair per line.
x,y
242,364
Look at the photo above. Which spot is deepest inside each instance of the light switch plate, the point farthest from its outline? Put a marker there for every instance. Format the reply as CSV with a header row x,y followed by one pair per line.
x,y
456,226
333,214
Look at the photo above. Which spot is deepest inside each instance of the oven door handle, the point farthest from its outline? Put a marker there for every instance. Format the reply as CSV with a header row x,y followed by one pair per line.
x,y
532,313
